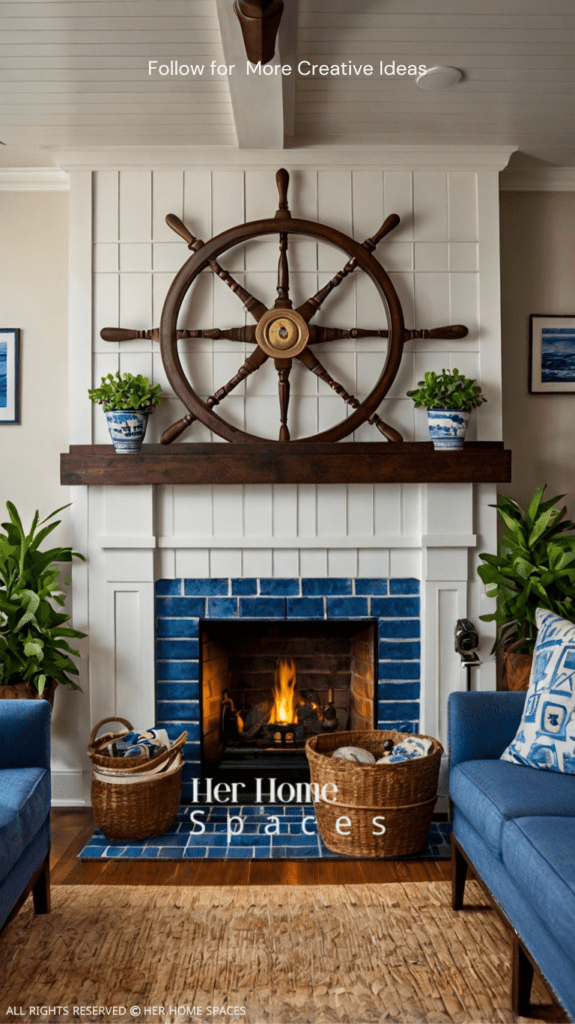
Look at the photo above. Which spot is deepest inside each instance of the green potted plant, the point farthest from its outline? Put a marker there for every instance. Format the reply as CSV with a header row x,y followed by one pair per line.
x,y
534,567
34,649
128,400
449,399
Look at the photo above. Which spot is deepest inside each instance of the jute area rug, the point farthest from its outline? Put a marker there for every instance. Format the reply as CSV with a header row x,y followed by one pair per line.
x,y
352,954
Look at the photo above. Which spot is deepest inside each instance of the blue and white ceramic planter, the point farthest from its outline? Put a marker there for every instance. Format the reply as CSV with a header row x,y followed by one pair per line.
x,y
127,428
447,427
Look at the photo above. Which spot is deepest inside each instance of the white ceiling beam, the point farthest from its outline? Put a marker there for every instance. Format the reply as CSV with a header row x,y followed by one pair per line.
x,y
257,99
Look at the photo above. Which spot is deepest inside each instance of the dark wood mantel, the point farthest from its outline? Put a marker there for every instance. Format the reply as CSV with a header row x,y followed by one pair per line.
x,y
289,463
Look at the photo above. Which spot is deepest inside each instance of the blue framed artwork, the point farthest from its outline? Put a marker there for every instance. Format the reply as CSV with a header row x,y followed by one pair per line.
x,y
552,369
9,397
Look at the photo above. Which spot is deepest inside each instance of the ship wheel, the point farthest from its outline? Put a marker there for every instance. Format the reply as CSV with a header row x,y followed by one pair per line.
x,y
281,332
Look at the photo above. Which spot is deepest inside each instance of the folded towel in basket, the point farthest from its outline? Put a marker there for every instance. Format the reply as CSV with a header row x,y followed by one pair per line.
x,y
151,743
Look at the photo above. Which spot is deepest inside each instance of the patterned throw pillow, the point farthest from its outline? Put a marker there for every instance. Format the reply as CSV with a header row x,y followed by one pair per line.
x,y
546,734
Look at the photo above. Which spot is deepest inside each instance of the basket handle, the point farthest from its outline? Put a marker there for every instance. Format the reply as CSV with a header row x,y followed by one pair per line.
x,y
124,721
139,769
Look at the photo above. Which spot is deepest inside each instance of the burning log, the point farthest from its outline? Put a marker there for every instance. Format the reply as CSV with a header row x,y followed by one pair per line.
x,y
255,720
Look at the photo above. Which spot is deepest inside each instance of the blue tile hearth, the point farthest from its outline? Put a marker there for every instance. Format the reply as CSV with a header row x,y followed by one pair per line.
x,y
185,838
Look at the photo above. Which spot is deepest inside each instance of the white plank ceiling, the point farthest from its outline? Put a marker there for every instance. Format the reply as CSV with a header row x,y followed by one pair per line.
x,y
74,73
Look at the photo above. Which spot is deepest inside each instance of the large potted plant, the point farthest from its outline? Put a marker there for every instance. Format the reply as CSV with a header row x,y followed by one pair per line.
x,y
34,648
534,568
128,400
449,398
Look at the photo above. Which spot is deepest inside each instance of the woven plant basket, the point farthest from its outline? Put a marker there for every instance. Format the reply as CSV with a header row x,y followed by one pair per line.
x,y
403,794
96,745
27,691
145,806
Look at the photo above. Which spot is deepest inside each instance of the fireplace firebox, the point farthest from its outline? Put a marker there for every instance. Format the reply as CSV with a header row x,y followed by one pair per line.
x,y
268,686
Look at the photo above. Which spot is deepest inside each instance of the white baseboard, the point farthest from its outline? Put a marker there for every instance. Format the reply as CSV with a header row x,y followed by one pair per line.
x,y
68,788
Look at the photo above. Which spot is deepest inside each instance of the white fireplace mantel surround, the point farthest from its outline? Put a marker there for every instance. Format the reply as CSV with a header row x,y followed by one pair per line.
x,y
444,262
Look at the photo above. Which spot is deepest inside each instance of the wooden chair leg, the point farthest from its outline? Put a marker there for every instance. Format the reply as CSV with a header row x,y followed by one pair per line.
x,y
41,890
458,875
522,978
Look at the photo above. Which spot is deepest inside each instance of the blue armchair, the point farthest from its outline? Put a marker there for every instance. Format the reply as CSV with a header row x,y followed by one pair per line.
x,y
24,806
515,826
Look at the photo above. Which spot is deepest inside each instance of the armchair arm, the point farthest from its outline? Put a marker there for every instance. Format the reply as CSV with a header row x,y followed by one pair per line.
x,y
25,734
482,723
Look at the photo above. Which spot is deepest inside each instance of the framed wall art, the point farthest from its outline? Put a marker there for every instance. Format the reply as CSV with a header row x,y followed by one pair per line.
x,y
552,363
9,383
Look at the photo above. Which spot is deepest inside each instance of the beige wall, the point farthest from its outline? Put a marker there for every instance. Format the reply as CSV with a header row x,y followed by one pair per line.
x,y
34,298
537,276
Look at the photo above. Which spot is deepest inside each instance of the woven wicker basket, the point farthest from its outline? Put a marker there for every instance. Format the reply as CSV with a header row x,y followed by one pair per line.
x,y
146,805
403,794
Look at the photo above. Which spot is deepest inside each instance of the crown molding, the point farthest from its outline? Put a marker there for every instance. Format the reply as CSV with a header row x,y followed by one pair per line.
x,y
33,179
538,179
393,157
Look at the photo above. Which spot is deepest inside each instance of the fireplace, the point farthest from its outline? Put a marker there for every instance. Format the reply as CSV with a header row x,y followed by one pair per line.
x,y
355,645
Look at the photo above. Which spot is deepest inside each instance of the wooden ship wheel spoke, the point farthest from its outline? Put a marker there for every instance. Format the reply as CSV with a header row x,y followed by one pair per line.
x,y
281,332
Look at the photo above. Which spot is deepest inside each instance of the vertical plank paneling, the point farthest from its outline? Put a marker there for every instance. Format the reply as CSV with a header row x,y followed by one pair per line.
x,y
286,563
165,510
228,511
432,301
167,197
313,562
106,309
225,562
411,509
257,510
367,203
334,208
127,650
193,511
198,203
464,306
373,563
387,508
106,206
136,304
261,195
342,562
307,510
462,206
227,201
135,206
331,510
430,205
136,362
192,563
303,194
257,562
284,510
360,510
398,198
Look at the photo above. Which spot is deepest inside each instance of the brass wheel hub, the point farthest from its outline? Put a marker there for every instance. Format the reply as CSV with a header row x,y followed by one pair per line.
x,y
282,333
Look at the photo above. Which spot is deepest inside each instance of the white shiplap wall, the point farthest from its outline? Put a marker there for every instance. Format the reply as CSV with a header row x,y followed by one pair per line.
x,y
444,262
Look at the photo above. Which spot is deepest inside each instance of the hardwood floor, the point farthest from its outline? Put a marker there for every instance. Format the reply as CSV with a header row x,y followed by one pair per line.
x,y
71,830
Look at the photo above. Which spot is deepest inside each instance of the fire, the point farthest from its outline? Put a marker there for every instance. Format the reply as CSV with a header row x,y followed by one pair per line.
x,y
285,703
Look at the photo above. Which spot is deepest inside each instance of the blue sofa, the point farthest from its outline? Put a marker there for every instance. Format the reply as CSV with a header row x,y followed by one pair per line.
x,y
515,827
24,806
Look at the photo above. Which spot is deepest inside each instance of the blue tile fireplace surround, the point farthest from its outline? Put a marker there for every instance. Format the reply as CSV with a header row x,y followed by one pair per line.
x,y
182,605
